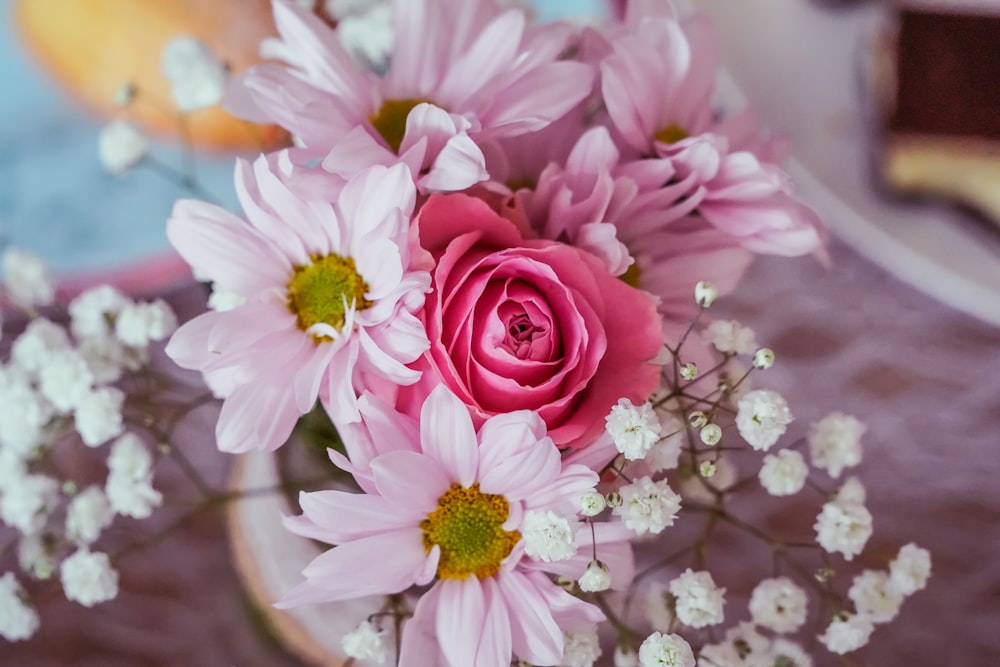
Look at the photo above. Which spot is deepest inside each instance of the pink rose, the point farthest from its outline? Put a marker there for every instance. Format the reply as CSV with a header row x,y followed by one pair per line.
x,y
533,324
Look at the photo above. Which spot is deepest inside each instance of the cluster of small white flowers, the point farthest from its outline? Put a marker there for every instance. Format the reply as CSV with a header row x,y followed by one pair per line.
x,y
27,279
121,145
634,429
197,78
130,478
548,536
18,620
843,527
366,642
595,578
779,604
648,506
88,578
875,597
57,387
662,650
743,646
580,649
910,569
699,601
762,417
835,442
731,337
784,474
847,633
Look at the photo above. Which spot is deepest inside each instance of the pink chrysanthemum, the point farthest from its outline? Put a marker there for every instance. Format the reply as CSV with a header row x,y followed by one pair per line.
x,y
460,73
658,86
446,504
329,299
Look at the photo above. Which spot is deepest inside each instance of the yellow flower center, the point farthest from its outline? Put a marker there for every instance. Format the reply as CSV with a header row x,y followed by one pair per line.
x,y
317,292
390,120
671,134
468,527
632,275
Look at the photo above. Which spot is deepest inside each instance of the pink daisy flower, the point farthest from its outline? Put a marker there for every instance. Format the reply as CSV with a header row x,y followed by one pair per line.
x,y
447,508
658,87
328,299
460,73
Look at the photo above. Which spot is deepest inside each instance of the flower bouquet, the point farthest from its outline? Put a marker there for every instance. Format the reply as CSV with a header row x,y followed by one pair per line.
x,y
488,261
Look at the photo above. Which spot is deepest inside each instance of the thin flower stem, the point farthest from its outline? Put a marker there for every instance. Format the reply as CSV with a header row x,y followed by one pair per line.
x,y
622,629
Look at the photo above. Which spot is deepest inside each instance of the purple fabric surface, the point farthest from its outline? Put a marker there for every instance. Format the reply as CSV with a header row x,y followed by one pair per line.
x,y
926,380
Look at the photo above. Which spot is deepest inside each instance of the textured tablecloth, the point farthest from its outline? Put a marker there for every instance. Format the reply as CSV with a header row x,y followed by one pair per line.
x,y
925,378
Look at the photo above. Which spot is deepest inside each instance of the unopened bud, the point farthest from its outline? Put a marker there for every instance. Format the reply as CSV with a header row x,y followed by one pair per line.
x,y
711,434
763,358
705,293
697,419
614,499
689,371
592,504
707,469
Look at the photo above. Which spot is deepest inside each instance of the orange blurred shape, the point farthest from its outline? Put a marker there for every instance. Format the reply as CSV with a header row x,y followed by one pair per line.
x,y
94,47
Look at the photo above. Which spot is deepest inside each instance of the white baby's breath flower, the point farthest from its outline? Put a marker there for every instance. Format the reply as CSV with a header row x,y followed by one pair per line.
x,y
875,596
35,556
634,428
98,415
779,604
910,569
65,378
789,654
762,417
88,578
27,278
648,506
366,642
728,336
699,600
140,324
105,356
844,635
580,649
368,37
852,491
93,312
752,647
121,145
844,528
18,620
87,515
595,578
130,484
835,442
12,465
197,77
784,474
134,497
40,339
626,657
23,415
221,300
548,536
130,457
27,503
660,650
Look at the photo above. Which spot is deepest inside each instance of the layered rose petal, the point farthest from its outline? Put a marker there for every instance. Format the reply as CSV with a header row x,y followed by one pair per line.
x,y
529,324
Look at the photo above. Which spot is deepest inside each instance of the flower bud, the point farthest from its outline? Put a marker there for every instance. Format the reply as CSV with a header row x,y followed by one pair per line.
x,y
697,419
689,371
614,499
705,293
592,504
763,358
711,434
707,469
